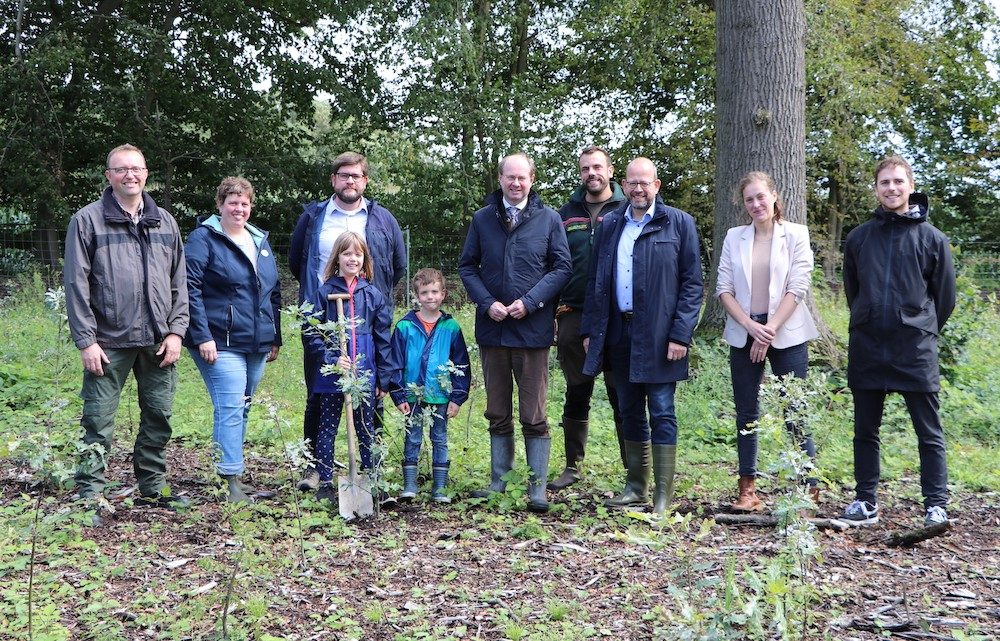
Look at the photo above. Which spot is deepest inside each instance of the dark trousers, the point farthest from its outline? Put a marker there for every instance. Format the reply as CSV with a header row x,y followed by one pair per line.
x,y
331,406
747,377
635,398
923,408
580,387
101,395
310,417
530,368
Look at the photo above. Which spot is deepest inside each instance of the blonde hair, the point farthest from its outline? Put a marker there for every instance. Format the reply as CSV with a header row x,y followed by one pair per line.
x,y
764,177
345,241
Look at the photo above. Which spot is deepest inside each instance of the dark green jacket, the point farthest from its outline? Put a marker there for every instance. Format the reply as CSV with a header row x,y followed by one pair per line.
x,y
580,229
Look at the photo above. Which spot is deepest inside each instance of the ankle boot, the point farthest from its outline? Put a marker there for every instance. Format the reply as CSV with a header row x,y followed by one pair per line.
x,y
664,465
236,493
575,436
747,500
536,450
409,482
636,492
501,462
440,481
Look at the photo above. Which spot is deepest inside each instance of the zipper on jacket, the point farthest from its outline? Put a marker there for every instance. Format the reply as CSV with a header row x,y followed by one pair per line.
x,y
229,325
886,291
144,250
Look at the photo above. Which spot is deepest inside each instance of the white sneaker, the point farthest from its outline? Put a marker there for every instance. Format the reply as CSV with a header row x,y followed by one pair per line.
x,y
935,516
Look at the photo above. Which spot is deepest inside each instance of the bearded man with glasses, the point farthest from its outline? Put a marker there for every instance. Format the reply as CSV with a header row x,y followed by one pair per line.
x,y
127,305
643,297
317,229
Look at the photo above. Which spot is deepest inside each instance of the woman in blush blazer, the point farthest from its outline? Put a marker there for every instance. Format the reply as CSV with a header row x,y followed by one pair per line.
x,y
764,275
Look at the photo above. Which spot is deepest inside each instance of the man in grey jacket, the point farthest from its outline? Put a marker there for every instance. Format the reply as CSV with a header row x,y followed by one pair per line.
x,y
126,298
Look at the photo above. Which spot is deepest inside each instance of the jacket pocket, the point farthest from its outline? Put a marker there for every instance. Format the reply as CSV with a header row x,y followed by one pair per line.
x,y
924,318
860,315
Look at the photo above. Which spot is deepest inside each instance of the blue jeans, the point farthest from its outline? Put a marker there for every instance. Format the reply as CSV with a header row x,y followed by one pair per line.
x,y
747,377
633,398
438,432
231,381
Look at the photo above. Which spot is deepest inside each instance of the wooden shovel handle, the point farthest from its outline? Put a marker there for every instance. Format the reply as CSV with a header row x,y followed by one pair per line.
x,y
352,462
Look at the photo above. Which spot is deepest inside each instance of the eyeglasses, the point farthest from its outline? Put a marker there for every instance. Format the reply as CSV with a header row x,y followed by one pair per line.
x,y
638,183
122,171
346,177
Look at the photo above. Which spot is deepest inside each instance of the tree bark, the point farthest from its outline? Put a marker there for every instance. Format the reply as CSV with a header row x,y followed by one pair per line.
x,y
760,116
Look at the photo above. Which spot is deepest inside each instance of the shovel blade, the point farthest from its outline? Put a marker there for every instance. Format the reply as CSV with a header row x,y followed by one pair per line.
x,y
355,494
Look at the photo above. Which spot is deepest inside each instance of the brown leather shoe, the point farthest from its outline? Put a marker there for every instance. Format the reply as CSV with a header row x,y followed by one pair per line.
x,y
747,500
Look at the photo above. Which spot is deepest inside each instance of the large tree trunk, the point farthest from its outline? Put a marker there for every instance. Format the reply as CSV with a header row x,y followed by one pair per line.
x,y
760,116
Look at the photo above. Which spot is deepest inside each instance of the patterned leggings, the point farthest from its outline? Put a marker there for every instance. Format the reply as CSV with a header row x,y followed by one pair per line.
x,y
330,406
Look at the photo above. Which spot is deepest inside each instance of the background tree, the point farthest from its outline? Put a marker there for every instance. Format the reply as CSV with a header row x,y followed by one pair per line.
x,y
760,114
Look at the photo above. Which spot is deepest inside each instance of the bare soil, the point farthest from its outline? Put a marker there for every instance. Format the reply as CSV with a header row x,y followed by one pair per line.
x,y
463,572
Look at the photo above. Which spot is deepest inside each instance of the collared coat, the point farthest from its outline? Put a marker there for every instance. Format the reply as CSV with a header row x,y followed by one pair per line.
x,y
899,278
791,264
529,262
667,293
231,303
580,230
382,235
126,283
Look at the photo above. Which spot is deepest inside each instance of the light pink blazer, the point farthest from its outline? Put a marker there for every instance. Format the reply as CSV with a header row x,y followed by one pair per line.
x,y
791,271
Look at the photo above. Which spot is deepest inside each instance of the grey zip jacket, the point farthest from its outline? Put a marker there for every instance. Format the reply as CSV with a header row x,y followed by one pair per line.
x,y
126,283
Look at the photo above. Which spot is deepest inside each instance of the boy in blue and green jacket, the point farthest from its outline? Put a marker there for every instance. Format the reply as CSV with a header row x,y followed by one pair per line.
x,y
430,379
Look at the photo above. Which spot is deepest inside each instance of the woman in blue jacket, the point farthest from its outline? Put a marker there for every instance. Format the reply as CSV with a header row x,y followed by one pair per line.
x,y
235,324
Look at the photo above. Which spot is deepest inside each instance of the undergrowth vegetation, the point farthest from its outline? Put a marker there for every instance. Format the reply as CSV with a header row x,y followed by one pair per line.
x,y
289,568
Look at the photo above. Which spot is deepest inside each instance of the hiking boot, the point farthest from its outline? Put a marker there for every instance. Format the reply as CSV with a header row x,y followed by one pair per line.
x,y
310,480
747,501
172,503
936,515
860,514
237,493
409,483
440,473
326,492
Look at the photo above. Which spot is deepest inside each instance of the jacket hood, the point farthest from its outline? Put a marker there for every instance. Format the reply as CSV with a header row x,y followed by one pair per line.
x,y
113,212
617,194
918,212
214,223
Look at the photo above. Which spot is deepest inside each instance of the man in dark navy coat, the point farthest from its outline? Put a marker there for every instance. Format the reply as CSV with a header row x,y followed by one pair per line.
x,y
643,297
514,264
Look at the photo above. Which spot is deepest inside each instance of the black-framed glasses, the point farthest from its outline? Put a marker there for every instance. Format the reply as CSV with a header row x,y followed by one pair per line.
x,y
346,177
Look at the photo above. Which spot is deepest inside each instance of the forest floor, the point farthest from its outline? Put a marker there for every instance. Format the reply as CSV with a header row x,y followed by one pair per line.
x,y
471,571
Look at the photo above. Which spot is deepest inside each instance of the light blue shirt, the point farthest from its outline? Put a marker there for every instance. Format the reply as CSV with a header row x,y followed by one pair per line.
x,y
335,222
623,262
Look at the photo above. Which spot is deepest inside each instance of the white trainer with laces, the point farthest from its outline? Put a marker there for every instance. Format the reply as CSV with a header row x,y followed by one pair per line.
x,y
935,516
